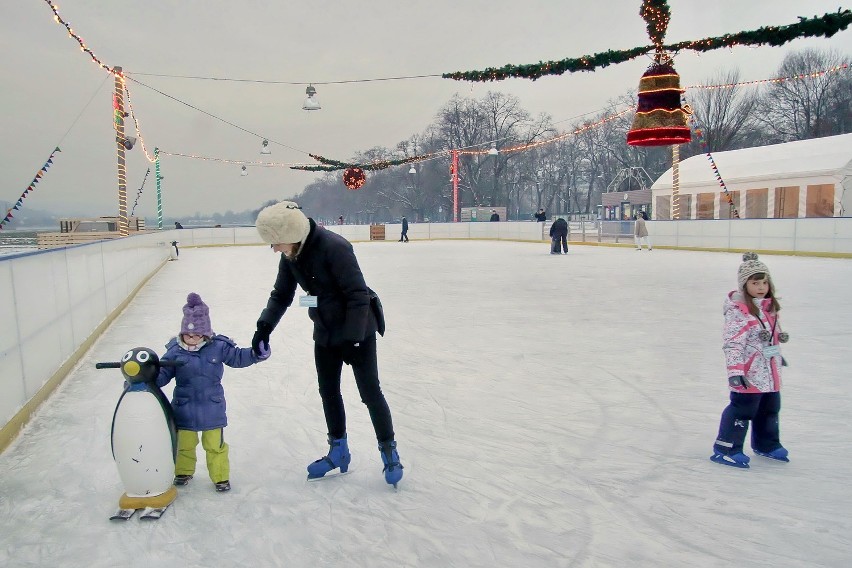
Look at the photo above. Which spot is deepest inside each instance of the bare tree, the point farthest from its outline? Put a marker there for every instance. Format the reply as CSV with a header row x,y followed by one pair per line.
x,y
802,109
726,115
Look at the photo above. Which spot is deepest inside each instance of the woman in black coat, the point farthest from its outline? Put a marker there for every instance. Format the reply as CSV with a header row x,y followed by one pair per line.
x,y
346,316
559,234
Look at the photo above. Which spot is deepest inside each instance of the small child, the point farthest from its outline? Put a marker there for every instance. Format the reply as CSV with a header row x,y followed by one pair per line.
x,y
751,344
198,400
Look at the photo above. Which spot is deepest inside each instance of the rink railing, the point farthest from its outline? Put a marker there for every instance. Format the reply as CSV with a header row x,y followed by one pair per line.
x,y
55,305
824,236
57,302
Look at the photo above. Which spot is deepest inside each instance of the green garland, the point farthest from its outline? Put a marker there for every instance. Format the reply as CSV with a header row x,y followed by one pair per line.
x,y
329,165
826,25
656,14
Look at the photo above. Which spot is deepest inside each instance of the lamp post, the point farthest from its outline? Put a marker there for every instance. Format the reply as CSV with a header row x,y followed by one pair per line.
x,y
412,172
494,152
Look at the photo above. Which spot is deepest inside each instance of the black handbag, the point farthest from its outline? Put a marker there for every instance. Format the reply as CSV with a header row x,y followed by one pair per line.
x,y
378,312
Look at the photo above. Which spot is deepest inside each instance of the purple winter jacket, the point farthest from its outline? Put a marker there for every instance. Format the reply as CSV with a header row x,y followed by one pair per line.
x,y
198,400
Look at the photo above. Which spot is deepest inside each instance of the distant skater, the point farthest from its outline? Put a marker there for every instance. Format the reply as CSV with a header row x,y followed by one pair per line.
x,y
404,235
559,237
640,231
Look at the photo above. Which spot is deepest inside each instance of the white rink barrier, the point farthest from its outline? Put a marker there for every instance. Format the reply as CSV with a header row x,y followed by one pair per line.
x,y
57,302
827,236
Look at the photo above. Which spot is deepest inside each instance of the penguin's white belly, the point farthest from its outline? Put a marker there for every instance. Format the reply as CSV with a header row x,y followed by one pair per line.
x,y
142,445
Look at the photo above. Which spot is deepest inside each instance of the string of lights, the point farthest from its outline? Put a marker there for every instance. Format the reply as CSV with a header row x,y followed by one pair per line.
x,y
273,82
835,22
139,136
655,12
139,192
83,47
220,119
813,75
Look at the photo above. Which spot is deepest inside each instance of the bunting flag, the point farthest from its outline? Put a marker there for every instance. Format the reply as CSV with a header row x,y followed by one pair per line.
x,y
728,197
139,191
30,187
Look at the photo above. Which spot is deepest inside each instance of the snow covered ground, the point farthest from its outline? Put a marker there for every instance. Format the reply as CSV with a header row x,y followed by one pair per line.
x,y
550,411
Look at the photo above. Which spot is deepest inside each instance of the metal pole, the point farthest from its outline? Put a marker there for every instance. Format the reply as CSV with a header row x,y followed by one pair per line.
x,y
118,122
455,178
494,194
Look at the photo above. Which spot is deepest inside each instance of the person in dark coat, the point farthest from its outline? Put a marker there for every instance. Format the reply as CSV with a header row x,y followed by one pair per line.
x,y
541,215
198,400
178,225
404,235
494,216
346,315
559,235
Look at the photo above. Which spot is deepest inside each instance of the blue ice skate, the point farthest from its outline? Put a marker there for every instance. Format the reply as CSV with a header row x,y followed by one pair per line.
x,y
338,457
734,460
390,457
779,454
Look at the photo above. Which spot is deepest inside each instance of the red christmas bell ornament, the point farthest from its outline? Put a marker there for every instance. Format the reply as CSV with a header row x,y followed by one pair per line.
x,y
354,178
660,119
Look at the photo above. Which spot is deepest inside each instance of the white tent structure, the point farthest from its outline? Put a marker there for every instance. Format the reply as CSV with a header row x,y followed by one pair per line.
x,y
806,178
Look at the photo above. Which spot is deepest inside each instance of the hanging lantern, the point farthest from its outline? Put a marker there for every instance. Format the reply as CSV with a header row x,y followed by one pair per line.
x,y
354,178
660,119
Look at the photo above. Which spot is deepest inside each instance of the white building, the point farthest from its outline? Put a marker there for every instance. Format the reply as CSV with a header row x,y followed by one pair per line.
x,y
807,178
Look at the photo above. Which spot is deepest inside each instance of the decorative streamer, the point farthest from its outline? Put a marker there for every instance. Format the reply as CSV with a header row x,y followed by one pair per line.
x,y
31,187
159,189
728,197
675,181
139,191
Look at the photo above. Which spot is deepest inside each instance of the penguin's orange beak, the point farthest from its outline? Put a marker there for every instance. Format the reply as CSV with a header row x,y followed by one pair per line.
x,y
131,368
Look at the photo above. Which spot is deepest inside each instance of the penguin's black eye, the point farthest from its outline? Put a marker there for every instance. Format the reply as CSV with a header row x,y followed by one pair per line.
x,y
143,356
127,357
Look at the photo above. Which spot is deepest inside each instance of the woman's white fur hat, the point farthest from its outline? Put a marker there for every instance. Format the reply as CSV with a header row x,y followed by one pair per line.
x,y
282,223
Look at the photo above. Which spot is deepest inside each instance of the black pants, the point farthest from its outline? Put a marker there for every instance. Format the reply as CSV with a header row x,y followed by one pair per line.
x,y
329,362
762,409
555,241
404,236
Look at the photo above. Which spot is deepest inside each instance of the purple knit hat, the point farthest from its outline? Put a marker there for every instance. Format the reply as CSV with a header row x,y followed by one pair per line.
x,y
196,317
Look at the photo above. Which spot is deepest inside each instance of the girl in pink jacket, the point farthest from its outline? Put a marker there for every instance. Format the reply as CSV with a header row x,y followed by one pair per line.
x,y
751,344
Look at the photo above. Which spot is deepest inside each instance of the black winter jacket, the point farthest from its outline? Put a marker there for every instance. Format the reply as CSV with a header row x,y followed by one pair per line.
x,y
325,267
559,228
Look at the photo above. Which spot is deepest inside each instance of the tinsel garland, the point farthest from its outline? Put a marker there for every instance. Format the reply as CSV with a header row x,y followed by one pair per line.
x,y
656,14
826,25
329,165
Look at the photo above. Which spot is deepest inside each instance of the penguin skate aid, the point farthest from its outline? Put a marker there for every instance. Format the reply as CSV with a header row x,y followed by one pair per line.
x,y
346,313
143,436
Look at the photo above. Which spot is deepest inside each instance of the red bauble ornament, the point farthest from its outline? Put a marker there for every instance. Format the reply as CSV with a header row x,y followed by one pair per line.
x,y
354,178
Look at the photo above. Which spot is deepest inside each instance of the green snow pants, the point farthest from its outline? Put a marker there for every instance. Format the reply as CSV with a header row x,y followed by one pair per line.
x,y
213,442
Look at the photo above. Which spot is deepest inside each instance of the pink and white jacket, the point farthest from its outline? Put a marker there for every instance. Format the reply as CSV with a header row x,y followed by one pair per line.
x,y
744,351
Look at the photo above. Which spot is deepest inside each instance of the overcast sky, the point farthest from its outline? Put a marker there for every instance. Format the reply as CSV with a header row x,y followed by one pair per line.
x,y
47,81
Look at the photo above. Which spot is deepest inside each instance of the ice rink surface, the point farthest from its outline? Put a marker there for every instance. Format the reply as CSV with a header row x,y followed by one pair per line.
x,y
549,410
